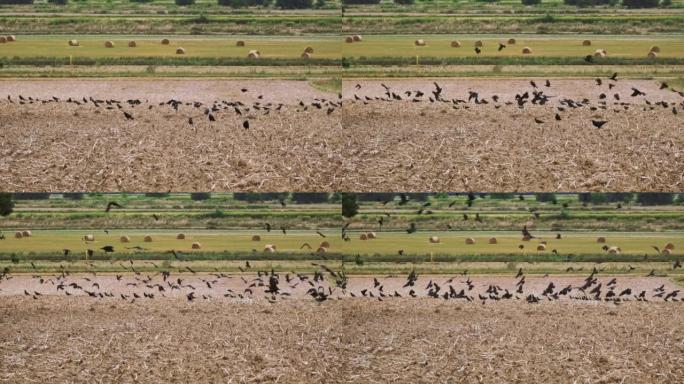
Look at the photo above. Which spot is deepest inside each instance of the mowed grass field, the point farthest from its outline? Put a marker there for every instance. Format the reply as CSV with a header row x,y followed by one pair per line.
x,y
274,47
541,46
386,243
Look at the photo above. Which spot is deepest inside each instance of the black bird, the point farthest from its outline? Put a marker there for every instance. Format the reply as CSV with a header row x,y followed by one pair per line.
x,y
112,204
598,123
478,50
128,116
501,46
245,124
411,228
614,77
108,248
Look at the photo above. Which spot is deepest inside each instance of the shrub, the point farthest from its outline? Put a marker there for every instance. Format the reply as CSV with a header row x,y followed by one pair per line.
x,y
655,198
546,197
73,196
531,2
58,2
140,1
6,204
16,1
198,196
351,2
349,205
641,3
31,196
185,2
245,3
309,197
404,2
294,4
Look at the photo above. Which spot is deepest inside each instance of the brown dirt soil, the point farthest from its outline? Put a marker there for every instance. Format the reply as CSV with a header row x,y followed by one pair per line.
x,y
426,146
59,339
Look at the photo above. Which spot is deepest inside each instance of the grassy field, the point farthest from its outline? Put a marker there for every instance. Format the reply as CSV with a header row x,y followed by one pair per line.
x,y
542,46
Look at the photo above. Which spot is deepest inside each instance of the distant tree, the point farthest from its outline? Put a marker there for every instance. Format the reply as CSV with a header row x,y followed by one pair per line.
x,y
58,2
619,197
252,197
185,2
199,196
655,198
16,2
375,196
352,2
6,204
294,4
531,2
501,196
73,196
546,197
419,196
309,197
404,2
350,206
31,196
157,194
320,3
641,3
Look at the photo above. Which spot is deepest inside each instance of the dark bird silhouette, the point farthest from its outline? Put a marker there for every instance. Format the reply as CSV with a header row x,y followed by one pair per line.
x,y
112,204
598,123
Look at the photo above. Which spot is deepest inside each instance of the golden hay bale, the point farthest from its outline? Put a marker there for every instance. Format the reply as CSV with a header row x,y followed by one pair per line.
x,y
89,237
308,50
669,246
666,252
196,245
306,55
357,38
322,250
324,244
600,53
253,54
601,239
512,41
420,43
180,236
148,239
434,239
109,44
363,236
165,41
541,247
18,235
479,43
11,38
3,39
270,248
256,238
26,233
527,51
469,241
614,250
348,39
586,43
372,235
654,48
74,43
132,44
180,51
455,44
125,239
652,55
240,43
492,240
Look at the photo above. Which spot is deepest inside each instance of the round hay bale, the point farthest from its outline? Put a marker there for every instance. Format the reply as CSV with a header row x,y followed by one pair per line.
x,y
125,239
492,240
666,252
196,245
363,236
240,43
180,236
109,44
18,235
420,43
512,41
469,241
89,237
455,44
541,247
434,239
306,55
269,248
321,250
253,54
148,239
12,38
309,50
601,239
132,44
527,51
165,42
324,244
256,238
669,246
357,38
26,233
614,250
586,43
180,51
654,48
652,55
74,43
348,39
479,43
3,39
372,235
600,53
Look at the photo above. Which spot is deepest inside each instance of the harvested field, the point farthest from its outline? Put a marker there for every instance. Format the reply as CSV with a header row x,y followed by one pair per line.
x,y
461,144
55,338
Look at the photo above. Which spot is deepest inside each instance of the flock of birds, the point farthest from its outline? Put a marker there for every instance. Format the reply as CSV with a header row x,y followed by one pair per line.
x,y
324,284
536,96
210,112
